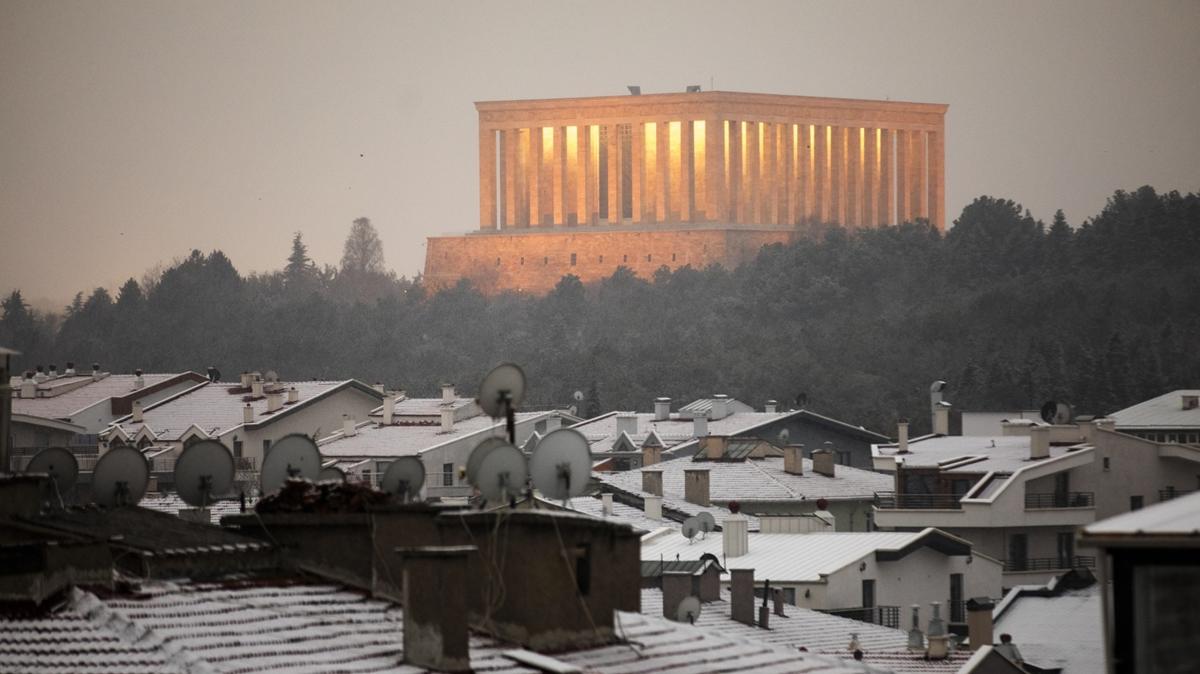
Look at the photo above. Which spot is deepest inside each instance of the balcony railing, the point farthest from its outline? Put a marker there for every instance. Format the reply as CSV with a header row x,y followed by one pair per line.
x,y
1168,494
1050,563
245,463
888,616
890,500
1062,499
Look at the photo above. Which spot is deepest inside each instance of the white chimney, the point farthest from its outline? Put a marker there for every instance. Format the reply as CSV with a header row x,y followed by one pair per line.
x,y
138,381
720,406
39,375
256,388
1039,442
941,419
137,411
735,534
95,371
293,395
389,409
627,422
662,409
902,437
247,414
916,638
653,508
447,419
70,372
606,504
28,387
939,640
244,379
448,394
53,372
349,428
274,401
699,426
378,386
772,405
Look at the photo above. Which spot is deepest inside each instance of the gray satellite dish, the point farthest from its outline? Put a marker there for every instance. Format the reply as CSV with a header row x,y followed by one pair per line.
x,y
271,377
59,464
561,464
501,474
691,527
405,477
481,450
688,610
502,390
578,396
707,522
331,474
120,477
294,455
1057,413
203,472
784,436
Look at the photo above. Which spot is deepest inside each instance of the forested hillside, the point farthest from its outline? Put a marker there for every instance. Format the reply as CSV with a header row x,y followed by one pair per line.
x,y
1006,309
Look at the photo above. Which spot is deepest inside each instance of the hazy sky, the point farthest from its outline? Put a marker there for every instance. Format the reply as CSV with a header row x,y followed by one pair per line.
x,y
132,132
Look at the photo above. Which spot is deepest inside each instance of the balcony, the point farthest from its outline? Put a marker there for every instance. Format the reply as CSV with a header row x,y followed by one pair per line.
x,y
1049,563
1168,494
890,500
245,463
1064,499
888,616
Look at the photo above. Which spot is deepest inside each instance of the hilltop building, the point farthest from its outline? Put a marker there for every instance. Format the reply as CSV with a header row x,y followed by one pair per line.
x,y
586,185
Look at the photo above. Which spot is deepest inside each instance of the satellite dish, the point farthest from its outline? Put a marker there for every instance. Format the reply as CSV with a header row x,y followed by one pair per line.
x,y
501,473
120,477
203,471
707,522
502,390
59,464
294,455
937,386
1057,413
688,610
561,464
271,377
405,477
578,396
784,436
691,527
481,450
331,474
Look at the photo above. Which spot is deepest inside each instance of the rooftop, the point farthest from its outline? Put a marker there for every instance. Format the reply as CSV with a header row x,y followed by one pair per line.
x,y
602,431
967,453
1162,522
1165,411
80,392
374,440
761,480
1064,630
671,504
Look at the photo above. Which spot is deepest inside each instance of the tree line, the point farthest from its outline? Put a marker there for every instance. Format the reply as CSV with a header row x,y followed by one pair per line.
x,y
852,323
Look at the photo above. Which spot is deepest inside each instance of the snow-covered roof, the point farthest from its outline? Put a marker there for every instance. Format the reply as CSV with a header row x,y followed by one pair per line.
x,y
1061,631
171,504
372,440
81,392
967,453
1166,411
1174,519
622,514
602,431
670,502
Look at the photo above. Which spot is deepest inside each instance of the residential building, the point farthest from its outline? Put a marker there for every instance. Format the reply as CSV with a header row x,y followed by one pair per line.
x,y
1170,418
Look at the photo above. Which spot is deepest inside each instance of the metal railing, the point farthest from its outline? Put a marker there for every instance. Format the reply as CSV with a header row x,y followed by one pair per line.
x,y
1168,494
1050,563
890,500
245,463
1062,499
888,616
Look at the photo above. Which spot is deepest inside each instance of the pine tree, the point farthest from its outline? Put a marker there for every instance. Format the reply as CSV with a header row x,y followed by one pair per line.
x,y
300,272
363,252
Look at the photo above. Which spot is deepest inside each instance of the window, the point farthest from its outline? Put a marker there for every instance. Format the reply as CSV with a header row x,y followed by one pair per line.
x,y
672,257
545,260
868,593
1066,549
624,258
1136,502
237,446
266,446
1017,552
957,606
447,474
1106,465
789,595
649,258
497,262
583,569
602,258
522,260
843,458
572,259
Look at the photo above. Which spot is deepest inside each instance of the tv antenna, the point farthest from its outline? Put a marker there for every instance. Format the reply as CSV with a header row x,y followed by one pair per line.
x,y
691,527
294,455
501,473
331,474
561,464
120,478
60,465
707,523
688,610
202,472
501,393
405,477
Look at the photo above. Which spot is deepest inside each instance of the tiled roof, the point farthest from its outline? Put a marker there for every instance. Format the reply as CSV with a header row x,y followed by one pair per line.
x,y
762,480
1165,411
66,404
1064,631
372,440
1006,453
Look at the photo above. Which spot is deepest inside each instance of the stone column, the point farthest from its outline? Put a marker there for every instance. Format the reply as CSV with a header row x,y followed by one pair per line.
x,y
753,174
920,184
614,174
838,175
687,172
823,181
904,192
791,190
736,176
638,169
533,171
887,159
662,160
804,176
487,179
854,177
583,175
558,177
870,195
769,207
509,138
937,180
715,203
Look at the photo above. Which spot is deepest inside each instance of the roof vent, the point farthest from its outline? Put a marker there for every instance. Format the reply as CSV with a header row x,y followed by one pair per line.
x,y
1191,401
720,406
771,407
448,394
293,395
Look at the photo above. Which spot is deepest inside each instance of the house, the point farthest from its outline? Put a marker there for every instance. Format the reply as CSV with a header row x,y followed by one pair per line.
x,y
1020,497
624,437
1170,418
1058,626
1152,576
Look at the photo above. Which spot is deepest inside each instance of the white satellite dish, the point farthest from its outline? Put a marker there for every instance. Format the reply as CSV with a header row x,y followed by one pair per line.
x,y
59,464
481,450
561,464
501,474
203,472
688,610
502,390
707,523
331,474
293,455
578,396
691,527
120,477
405,477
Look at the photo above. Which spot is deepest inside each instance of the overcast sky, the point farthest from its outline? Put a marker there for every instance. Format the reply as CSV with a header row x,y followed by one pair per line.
x,y
132,132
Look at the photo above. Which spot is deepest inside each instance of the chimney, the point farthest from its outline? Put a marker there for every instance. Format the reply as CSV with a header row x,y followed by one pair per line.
x,y
448,394
902,437
28,386
39,375
137,411
435,607
53,372
695,486
606,504
662,409
713,447
979,621
1106,424
742,591
70,372
777,599
735,535
95,371
247,414
793,459
676,586
256,388
1039,443
627,423
138,380
720,406
447,419
293,395
1191,401
916,638
349,428
653,507
710,583
244,379
823,463
771,406
389,409
699,426
274,401
651,455
939,640
652,482
764,614
941,418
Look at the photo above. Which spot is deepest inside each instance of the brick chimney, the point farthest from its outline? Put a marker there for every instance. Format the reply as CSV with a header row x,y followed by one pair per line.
x,y
941,418
652,481
136,415
448,394
653,508
902,437
435,607
720,406
247,414
651,455
793,459
713,447
676,586
389,409
735,535
699,426
695,486
710,584
1039,442
662,409
627,423
979,621
742,599
771,406
823,463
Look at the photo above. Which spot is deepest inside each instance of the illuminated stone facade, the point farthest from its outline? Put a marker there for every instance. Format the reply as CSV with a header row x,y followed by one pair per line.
x,y
585,185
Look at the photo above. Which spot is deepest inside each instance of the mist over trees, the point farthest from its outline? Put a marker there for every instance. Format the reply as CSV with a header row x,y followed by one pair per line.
x,y
1009,311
